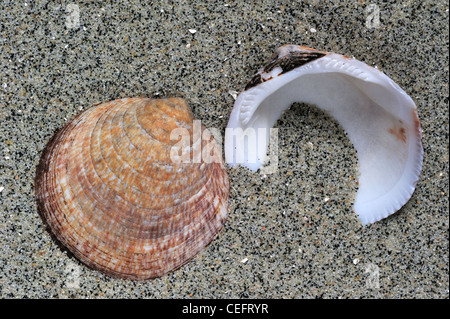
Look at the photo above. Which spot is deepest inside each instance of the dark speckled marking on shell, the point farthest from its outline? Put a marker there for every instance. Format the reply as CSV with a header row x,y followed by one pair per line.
x,y
293,59
108,190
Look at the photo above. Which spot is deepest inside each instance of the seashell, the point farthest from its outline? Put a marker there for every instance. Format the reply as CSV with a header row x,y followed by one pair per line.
x,y
109,189
379,117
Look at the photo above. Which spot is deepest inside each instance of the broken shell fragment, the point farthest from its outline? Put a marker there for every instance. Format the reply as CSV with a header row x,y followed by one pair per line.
x,y
379,117
108,189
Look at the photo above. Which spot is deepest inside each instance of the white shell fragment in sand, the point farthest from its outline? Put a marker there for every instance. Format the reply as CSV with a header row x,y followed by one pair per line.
x,y
379,117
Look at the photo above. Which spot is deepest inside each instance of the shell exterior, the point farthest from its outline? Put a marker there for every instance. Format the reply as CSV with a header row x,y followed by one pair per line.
x,y
108,190
378,116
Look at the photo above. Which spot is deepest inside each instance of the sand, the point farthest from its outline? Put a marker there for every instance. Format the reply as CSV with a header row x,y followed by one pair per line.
x,y
290,234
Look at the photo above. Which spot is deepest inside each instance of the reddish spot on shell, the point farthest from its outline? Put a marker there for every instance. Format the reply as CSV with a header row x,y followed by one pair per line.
x,y
107,188
399,132
416,122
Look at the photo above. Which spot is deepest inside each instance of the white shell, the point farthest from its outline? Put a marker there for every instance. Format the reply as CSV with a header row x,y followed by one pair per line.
x,y
379,117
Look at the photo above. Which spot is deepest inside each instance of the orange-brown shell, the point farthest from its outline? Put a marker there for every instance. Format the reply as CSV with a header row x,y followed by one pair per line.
x,y
108,190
